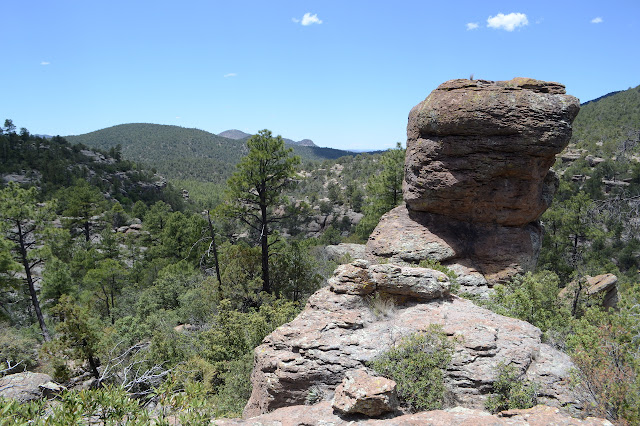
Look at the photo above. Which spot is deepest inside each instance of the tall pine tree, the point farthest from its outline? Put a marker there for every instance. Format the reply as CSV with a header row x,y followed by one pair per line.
x,y
256,188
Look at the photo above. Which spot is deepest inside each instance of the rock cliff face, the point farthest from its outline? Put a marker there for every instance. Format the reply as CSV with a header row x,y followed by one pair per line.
x,y
477,178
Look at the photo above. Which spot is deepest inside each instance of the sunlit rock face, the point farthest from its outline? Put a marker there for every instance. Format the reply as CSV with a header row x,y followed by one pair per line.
x,y
477,179
480,151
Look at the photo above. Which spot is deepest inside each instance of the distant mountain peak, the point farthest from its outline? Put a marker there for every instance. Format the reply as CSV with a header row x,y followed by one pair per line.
x,y
303,142
234,134
239,134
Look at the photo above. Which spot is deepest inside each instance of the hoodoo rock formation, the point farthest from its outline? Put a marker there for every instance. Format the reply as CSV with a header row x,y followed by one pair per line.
x,y
476,181
477,178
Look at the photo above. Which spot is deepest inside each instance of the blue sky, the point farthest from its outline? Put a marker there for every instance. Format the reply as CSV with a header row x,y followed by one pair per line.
x,y
346,79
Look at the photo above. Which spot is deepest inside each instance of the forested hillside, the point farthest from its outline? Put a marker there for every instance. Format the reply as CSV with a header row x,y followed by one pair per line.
x,y
183,153
605,126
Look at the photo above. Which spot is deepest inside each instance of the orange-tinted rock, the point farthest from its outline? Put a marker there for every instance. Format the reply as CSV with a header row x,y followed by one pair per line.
x,y
480,151
362,393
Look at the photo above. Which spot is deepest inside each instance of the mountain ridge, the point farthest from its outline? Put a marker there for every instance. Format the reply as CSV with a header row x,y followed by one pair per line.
x,y
187,153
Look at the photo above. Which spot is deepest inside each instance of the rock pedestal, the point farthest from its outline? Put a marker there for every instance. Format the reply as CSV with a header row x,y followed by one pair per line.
x,y
338,333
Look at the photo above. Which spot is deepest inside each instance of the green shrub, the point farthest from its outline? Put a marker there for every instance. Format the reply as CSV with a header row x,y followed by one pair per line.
x,y
511,391
417,365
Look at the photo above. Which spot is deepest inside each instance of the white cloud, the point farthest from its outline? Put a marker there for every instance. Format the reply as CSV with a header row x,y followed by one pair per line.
x,y
472,26
308,19
507,22
44,63
596,20
231,74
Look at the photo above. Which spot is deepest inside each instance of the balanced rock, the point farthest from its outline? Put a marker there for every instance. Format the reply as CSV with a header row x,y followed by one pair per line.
x,y
480,151
362,393
477,179
338,333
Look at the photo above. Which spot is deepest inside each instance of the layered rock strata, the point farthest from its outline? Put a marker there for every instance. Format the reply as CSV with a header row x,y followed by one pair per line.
x,y
341,330
477,178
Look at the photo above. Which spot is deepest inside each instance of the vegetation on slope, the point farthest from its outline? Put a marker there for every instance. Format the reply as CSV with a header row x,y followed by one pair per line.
x,y
184,153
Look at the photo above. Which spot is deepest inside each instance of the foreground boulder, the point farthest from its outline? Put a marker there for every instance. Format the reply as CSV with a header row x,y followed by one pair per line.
x,y
338,333
323,414
27,386
362,393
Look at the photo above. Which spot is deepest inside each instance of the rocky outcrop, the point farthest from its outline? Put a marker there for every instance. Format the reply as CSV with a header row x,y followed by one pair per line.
x,y
601,289
339,332
477,178
27,386
481,254
322,414
361,393
480,151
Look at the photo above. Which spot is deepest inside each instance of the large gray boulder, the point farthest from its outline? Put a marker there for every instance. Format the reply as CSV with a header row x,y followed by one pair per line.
x,y
26,386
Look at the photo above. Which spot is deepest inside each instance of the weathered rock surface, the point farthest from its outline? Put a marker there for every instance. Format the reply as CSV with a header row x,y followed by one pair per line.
x,y
343,251
481,254
359,277
26,386
480,151
605,286
339,332
477,179
603,289
362,393
323,414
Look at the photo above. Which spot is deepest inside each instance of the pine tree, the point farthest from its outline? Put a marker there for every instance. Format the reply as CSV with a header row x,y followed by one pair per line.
x,y
26,225
256,187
